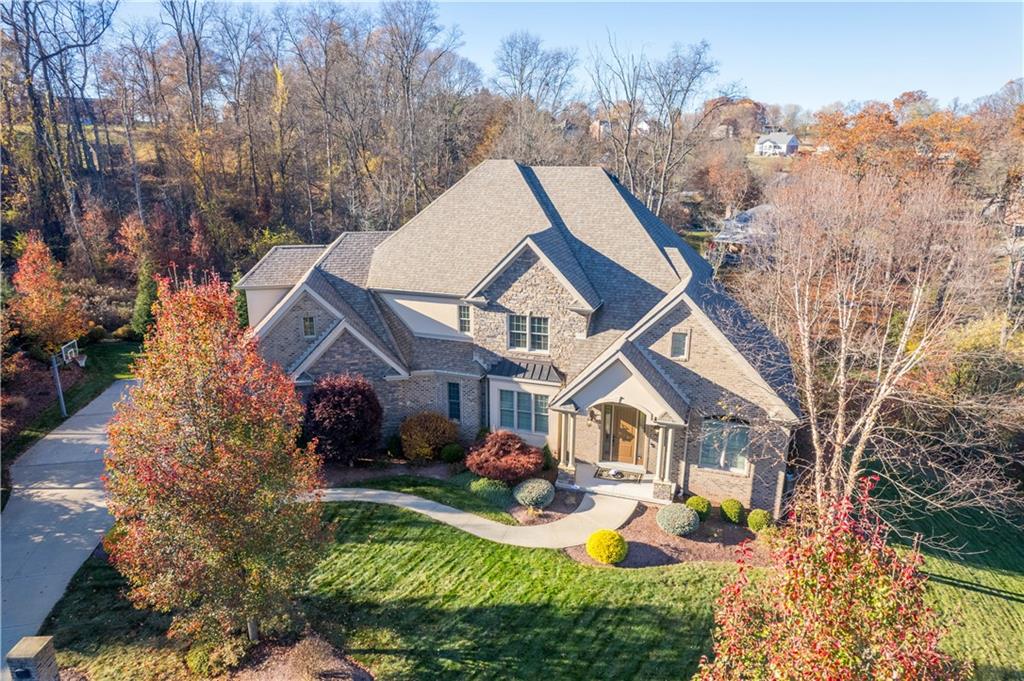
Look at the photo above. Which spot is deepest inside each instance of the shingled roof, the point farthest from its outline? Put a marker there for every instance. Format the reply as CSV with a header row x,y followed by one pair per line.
x,y
281,267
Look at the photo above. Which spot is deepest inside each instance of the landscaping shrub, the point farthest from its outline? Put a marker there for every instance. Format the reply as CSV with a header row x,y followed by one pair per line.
x,y
678,519
701,505
425,433
94,334
127,333
535,493
344,415
494,492
206,659
549,459
732,511
504,456
759,519
453,453
607,546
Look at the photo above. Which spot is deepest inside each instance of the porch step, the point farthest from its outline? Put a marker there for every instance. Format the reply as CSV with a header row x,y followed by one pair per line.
x,y
608,491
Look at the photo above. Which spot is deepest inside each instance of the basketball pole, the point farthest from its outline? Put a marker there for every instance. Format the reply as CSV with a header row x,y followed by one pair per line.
x,y
56,382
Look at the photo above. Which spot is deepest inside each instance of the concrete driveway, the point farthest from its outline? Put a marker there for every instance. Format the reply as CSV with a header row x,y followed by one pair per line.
x,y
55,517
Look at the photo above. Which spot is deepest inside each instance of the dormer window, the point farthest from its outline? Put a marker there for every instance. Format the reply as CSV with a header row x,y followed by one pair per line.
x,y
309,327
680,345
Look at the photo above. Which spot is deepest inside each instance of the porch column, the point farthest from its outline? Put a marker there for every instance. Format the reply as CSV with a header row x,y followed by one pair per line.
x,y
667,454
572,440
659,452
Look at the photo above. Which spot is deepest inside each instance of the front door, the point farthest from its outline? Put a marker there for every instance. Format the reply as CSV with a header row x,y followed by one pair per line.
x,y
622,428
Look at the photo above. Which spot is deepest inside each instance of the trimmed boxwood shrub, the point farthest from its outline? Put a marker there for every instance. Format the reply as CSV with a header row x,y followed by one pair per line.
x,y
535,493
452,453
701,505
759,519
607,546
494,492
344,416
732,511
425,433
678,519
504,456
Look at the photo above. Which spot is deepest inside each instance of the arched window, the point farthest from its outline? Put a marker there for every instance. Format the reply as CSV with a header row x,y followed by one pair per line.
x,y
724,444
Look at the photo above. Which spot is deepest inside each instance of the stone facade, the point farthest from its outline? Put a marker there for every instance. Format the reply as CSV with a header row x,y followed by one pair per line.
x,y
527,286
284,341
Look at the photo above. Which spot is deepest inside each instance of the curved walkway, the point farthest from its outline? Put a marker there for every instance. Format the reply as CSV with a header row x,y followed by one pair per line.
x,y
595,512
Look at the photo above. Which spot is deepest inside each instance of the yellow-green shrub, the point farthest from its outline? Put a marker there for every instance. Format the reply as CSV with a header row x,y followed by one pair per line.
x,y
607,546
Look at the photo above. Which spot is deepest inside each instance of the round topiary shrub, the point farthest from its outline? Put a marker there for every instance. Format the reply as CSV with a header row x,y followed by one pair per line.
x,y
424,434
732,511
701,505
759,519
452,453
607,546
494,492
504,456
535,493
678,520
344,415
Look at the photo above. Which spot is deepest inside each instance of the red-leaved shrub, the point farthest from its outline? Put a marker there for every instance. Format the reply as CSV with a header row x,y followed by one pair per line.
x,y
343,413
424,434
504,456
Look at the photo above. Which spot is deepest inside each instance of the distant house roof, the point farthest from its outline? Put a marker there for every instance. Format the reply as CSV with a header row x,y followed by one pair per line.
x,y
533,371
782,139
281,267
742,228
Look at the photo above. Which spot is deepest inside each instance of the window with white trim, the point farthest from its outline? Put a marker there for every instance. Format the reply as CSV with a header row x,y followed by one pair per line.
x,y
724,444
464,318
309,327
517,331
526,332
521,411
680,345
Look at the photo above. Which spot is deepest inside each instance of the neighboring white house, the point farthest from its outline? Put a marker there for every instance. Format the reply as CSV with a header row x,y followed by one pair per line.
x,y
776,144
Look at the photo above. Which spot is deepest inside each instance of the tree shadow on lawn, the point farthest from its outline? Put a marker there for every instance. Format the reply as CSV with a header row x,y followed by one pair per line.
x,y
419,638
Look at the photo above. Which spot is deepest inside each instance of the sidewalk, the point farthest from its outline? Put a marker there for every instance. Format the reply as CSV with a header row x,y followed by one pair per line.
x,y
595,512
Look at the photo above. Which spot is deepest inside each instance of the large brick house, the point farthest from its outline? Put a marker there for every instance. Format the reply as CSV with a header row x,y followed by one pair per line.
x,y
547,301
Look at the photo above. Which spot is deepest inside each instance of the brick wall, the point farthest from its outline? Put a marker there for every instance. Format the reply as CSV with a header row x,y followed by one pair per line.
x,y
284,341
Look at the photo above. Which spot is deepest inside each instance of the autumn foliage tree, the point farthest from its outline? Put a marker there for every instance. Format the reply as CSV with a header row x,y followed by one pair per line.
x,y
841,604
44,309
215,504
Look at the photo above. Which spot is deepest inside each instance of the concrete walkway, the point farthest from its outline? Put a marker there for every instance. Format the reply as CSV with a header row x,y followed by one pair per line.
x,y
595,512
55,517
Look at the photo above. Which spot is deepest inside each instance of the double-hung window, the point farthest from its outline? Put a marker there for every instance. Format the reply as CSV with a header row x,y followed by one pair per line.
x,y
523,411
454,402
517,331
309,327
724,445
464,318
507,409
526,332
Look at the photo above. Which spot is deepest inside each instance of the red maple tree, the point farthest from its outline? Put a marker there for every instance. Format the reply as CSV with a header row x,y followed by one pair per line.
x,y
44,309
215,504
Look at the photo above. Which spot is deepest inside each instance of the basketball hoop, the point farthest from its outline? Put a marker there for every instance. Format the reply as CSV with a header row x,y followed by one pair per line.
x,y
69,351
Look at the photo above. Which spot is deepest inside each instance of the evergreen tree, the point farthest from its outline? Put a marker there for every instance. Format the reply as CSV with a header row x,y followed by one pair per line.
x,y
145,296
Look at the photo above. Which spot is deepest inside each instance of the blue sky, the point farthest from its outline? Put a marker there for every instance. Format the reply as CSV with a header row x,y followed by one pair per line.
x,y
804,53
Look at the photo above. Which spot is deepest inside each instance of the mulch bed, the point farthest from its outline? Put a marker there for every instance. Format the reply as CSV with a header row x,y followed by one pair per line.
x,y
715,540
310,658
565,503
29,392
339,475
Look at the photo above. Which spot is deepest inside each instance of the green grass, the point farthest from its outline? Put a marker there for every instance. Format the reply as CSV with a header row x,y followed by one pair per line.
x,y
697,239
981,594
452,492
415,599
106,363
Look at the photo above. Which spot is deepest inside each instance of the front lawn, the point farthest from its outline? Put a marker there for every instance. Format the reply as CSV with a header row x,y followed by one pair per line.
x,y
452,492
415,599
